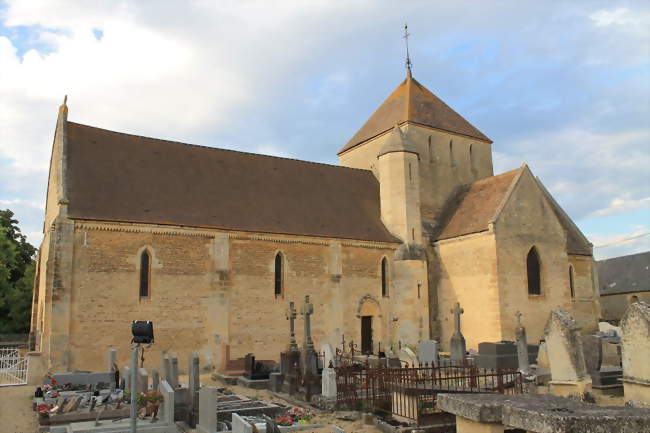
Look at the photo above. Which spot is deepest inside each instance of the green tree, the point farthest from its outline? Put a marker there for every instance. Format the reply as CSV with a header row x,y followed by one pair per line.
x,y
16,276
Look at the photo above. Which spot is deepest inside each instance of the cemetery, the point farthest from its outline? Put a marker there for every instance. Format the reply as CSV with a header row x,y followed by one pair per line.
x,y
554,386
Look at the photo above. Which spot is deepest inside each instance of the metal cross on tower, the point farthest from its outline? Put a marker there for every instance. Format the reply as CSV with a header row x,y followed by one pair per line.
x,y
408,57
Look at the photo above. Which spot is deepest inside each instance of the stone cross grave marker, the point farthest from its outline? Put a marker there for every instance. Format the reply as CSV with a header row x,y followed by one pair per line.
x,y
307,311
522,346
291,317
458,348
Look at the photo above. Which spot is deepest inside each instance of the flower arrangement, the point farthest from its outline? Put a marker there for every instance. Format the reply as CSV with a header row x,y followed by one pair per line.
x,y
295,415
44,410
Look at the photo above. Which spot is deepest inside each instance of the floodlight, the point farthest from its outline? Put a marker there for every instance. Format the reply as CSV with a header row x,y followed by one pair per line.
x,y
142,332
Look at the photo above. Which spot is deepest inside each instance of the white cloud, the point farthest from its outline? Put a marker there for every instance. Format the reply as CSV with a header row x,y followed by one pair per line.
x,y
624,18
620,205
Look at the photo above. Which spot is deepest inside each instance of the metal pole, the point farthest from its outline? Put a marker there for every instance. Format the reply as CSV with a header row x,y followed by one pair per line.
x,y
134,386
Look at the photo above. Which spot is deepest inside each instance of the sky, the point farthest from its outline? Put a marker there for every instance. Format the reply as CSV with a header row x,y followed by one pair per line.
x,y
562,86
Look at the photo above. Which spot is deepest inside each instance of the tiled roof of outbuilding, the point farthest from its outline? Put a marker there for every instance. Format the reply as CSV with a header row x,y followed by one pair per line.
x,y
113,176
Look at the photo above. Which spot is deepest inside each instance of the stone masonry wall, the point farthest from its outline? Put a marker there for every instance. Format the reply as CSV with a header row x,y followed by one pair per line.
x,y
207,292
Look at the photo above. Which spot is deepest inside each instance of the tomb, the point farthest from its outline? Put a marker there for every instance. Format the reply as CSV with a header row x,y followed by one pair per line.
x,y
635,342
564,346
496,413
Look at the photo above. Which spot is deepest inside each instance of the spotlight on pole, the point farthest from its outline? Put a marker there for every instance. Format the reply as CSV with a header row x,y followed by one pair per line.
x,y
142,331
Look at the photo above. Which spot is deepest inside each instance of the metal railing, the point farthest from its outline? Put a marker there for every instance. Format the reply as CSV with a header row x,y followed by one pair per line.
x,y
411,392
13,367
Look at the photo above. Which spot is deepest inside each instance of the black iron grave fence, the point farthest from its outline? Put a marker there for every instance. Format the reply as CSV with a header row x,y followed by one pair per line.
x,y
411,392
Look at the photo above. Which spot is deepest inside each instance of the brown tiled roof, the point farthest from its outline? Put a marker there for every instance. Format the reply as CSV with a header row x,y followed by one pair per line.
x,y
476,205
120,177
412,102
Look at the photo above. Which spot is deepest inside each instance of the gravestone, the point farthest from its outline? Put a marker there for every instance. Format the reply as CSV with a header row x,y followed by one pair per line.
x,y
329,356
143,380
501,355
126,374
173,379
239,425
592,352
309,362
542,356
193,385
207,410
291,317
523,361
155,379
635,344
406,355
111,360
428,352
167,368
329,382
565,354
168,402
458,347
611,355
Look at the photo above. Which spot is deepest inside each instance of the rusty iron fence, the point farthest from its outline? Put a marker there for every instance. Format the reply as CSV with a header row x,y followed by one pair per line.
x,y
411,392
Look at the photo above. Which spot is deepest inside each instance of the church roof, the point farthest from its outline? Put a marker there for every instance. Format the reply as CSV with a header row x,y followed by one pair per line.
x,y
626,274
475,206
414,103
120,177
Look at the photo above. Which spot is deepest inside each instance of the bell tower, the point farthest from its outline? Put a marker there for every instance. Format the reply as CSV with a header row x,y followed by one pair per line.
x,y
437,149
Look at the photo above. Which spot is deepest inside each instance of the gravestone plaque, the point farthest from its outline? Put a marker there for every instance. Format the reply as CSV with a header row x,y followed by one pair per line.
x,y
593,352
428,352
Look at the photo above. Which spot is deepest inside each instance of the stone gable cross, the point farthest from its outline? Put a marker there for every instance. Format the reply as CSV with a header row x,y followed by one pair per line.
x,y
307,310
291,317
457,311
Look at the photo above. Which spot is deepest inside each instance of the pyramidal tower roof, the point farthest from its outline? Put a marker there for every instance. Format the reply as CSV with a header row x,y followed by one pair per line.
x,y
413,103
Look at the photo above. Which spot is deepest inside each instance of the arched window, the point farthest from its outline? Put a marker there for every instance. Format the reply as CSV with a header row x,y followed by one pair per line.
x,y
278,275
145,274
384,277
571,283
533,271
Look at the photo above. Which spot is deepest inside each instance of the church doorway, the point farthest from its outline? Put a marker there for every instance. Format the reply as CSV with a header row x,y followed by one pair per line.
x,y
366,335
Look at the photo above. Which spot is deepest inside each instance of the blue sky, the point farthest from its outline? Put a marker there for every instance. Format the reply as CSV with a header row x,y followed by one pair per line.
x,y
563,86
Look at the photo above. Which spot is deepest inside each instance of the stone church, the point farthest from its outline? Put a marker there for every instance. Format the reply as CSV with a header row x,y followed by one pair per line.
x,y
212,244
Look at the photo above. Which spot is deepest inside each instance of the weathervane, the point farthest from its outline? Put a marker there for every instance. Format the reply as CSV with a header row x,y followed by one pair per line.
x,y
406,39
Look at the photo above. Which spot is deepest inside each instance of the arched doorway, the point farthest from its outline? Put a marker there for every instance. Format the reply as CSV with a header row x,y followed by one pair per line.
x,y
369,315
